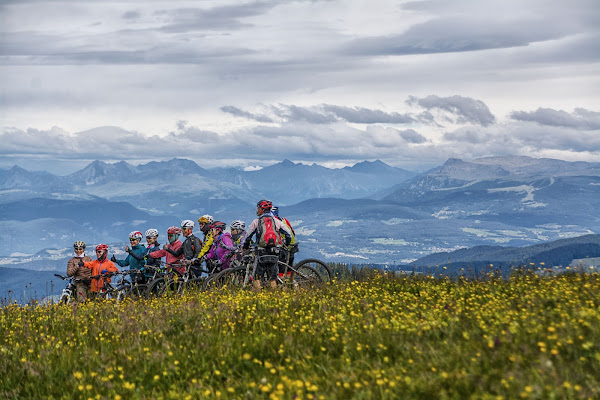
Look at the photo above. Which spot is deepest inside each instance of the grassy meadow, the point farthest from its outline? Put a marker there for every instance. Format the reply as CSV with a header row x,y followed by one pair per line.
x,y
382,336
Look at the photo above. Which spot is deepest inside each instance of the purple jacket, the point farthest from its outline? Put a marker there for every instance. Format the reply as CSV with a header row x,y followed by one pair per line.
x,y
222,249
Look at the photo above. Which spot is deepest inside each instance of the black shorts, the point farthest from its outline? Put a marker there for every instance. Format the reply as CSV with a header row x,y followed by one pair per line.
x,y
267,264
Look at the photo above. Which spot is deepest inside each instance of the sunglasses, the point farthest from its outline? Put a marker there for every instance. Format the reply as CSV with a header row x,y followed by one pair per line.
x,y
149,237
133,239
99,251
79,248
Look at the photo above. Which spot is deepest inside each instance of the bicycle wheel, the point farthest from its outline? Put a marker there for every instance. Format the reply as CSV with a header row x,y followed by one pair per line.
x,y
318,266
302,276
156,287
232,278
64,299
135,291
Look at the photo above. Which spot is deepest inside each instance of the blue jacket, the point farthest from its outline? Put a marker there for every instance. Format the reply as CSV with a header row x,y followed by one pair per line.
x,y
135,258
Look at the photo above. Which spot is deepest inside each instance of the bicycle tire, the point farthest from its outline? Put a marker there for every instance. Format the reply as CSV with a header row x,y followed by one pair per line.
x,y
232,278
64,299
132,291
319,266
303,276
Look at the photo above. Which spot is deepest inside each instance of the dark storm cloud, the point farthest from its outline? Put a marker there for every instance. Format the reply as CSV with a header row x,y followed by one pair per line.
x,y
579,119
245,114
362,115
466,109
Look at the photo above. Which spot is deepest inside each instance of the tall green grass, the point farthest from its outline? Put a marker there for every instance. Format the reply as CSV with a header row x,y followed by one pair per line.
x,y
383,336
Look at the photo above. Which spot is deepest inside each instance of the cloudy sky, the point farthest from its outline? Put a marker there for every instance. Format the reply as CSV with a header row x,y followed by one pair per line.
x,y
236,83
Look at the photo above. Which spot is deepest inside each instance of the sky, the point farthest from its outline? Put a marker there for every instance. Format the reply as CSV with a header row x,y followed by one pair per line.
x,y
248,84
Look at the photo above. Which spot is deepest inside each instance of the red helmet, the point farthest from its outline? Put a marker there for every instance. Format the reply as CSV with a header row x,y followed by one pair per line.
x,y
174,230
265,205
102,247
218,225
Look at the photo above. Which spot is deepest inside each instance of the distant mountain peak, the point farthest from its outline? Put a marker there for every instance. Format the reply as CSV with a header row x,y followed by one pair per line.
x,y
454,161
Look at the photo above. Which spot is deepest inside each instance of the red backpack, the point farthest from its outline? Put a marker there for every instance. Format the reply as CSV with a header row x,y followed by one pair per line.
x,y
268,236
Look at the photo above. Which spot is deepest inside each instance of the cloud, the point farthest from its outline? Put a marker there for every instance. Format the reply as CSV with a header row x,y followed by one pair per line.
x,y
131,15
464,108
361,115
245,114
412,136
305,114
522,138
299,140
464,26
579,119
218,18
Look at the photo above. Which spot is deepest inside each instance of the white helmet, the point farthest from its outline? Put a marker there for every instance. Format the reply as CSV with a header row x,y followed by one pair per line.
x,y
187,223
135,235
206,219
152,233
237,224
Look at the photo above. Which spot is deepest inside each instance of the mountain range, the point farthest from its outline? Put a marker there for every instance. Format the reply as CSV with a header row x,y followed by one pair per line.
x,y
368,213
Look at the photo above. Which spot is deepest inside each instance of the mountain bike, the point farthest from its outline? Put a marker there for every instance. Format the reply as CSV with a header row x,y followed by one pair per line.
x,y
69,292
112,290
177,279
241,274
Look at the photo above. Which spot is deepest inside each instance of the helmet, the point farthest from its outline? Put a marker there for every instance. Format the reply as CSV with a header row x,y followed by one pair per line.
x,y
102,247
135,235
152,232
219,225
79,244
265,205
187,223
275,211
241,225
174,230
206,219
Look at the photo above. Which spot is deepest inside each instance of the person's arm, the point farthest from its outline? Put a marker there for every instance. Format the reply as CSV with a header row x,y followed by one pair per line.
x,y
138,256
122,263
72,266
111,267
227,243
251,232
207,246
158,254
175,253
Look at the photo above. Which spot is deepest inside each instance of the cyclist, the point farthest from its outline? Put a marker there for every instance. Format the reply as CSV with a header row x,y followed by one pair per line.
x,y
205,222
268,231
82,285
153,245
238,232
135,257
292,248
222,248
174,245
99,266
191,246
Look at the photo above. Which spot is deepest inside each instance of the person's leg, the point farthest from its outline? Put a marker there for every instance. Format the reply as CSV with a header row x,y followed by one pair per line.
x,y
80,293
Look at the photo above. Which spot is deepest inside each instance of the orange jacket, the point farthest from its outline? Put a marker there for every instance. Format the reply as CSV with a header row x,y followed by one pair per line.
x,y
97,267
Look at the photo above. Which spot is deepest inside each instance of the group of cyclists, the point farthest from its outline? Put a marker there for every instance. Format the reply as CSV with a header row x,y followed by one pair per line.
x,y
268,232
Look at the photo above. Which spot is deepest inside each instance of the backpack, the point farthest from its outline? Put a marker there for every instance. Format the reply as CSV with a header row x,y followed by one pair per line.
x,y
268,236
